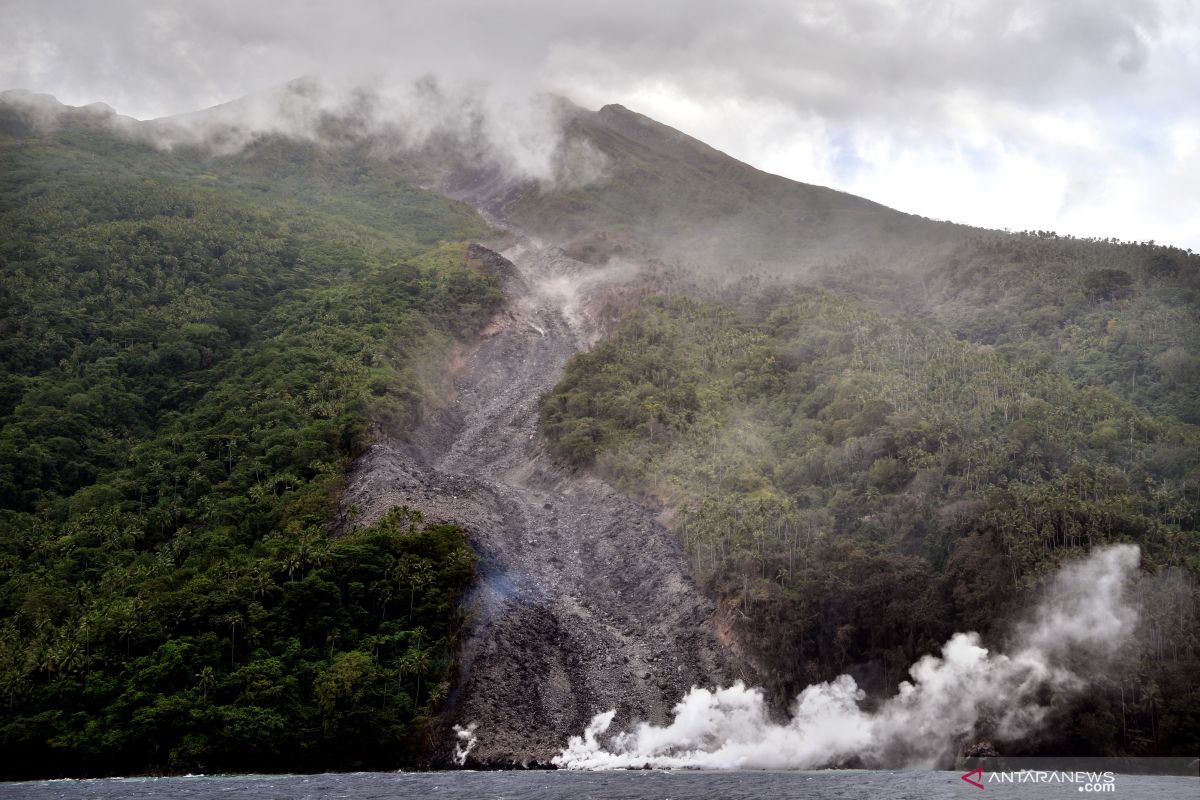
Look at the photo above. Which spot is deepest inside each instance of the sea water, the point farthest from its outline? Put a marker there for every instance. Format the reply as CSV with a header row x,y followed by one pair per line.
x,y
637,785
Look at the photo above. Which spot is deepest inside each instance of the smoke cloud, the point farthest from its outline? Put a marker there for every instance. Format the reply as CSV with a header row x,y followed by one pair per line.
x,y
1078,115
466,741
519,137
1083,620
522,136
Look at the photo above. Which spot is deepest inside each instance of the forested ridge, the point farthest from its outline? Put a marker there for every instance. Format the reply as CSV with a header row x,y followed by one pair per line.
x,y
191,349
856,473
1118,316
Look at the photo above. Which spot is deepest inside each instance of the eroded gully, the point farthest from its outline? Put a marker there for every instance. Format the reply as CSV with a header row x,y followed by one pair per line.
x,y
584,602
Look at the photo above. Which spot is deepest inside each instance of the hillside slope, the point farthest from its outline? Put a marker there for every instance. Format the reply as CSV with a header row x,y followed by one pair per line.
x,y
585,602
191,350
853,488
839,410
663,193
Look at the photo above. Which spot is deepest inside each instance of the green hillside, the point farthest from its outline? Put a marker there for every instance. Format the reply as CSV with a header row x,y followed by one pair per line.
x,y
190,349
884,429
854,486
869,430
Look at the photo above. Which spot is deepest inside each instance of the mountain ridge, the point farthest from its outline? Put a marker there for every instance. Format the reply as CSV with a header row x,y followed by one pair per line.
x,y
727,193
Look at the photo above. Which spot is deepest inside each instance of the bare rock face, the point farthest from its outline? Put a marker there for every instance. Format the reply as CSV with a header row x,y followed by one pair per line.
x,y
585,603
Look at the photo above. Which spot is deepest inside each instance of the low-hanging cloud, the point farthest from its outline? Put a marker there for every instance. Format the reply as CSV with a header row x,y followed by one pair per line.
x,y
521,139
1076,115
1083,621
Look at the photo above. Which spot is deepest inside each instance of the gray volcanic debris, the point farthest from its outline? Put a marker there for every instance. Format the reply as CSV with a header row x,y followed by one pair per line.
x,y
584,602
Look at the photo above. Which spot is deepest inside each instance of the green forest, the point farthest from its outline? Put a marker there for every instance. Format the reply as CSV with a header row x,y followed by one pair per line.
x,y
190,351
861,450
856,475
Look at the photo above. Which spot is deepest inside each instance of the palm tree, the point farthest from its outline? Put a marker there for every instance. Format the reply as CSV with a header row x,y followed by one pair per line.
x,y
333,639
233,619
126,629
207,679
261,580
12,684
418,578
87,644
416,661
70,657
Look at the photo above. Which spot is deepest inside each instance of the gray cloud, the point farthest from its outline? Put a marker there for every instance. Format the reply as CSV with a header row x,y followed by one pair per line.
x,y
839,57
1082,96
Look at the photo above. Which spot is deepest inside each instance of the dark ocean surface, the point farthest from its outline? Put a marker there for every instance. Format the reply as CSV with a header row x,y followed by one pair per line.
x,y
918,785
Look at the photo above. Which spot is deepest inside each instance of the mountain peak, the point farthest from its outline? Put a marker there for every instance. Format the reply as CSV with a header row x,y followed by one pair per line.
x,y
24,97
23,112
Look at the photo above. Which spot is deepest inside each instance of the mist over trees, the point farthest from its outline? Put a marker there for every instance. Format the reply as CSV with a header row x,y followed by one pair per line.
x,y
868,430
854,485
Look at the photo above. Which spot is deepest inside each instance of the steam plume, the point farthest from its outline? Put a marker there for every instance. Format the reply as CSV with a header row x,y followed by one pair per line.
x,y
517,137
465,744
1084,617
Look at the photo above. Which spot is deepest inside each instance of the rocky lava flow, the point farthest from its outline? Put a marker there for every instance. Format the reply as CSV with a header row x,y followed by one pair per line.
x,y
585,602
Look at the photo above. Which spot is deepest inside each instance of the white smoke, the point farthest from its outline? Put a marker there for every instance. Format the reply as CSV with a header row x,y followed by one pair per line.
x,y
1083,619
521,137
465,744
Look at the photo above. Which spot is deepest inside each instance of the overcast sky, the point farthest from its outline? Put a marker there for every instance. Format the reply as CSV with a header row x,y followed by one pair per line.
x,y
1081,116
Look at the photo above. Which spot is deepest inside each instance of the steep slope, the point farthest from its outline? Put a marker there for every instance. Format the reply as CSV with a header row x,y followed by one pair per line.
x,y
616,181
854,488
624,184
189,354
893,448
680,200
585,603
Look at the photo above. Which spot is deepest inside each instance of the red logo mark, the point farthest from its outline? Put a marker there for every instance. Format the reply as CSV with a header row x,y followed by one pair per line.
x,y
977,772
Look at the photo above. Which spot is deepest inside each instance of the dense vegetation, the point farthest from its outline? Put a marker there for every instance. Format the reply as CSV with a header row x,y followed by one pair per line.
x,y
190,350
1123,318
192,347
854,486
